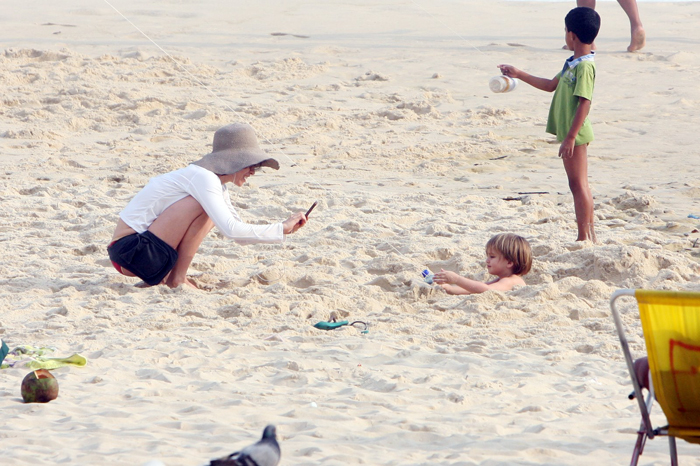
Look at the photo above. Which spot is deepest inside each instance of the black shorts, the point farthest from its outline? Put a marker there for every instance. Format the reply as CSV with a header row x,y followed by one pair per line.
x,y
145,255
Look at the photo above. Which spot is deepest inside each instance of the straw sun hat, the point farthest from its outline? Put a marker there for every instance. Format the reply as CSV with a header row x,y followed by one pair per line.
x,y
235,148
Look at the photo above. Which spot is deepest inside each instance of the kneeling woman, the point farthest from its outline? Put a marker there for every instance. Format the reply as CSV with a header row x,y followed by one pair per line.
x,y
161,229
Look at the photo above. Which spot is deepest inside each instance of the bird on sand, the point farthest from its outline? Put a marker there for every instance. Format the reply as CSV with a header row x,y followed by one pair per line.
x,y
265,452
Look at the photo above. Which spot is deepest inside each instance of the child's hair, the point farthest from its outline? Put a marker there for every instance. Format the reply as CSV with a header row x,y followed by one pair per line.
x,y
515,249
584,22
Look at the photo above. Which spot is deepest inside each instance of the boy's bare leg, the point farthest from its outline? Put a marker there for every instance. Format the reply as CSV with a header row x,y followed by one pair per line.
x,y
638,40
576,168
183,225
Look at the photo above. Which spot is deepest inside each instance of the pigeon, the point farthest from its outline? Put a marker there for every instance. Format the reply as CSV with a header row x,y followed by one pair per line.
x,y
265,452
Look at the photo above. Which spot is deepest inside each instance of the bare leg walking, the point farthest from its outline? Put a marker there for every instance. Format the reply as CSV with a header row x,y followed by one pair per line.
x,y
637,33
638,40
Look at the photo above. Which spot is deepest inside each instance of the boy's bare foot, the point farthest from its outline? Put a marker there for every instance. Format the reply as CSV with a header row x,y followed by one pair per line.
x,y
638,40
589,235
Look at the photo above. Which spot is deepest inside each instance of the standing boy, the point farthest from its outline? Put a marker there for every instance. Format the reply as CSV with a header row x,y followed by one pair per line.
x,y
568,113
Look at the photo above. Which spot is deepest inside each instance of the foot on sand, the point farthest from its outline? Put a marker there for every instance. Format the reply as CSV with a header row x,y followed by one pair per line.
x,y
638,40
187,284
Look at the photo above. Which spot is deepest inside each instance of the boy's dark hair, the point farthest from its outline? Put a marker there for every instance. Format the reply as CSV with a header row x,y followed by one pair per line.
x,y
584,22
515,249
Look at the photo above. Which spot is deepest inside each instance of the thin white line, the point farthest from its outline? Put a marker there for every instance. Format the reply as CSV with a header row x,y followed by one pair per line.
x,y
194,78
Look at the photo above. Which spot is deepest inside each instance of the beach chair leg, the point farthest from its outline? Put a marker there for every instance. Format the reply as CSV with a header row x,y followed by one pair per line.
x,y
638,448
672,450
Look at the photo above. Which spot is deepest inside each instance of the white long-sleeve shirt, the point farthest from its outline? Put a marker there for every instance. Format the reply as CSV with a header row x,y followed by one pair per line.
x,y
163,191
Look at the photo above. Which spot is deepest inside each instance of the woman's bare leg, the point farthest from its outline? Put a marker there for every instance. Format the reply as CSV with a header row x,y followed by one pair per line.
x,y
638,35
638,40
183,225
188,247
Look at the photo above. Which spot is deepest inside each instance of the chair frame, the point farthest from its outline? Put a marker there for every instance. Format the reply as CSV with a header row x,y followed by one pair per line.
x,y
646,430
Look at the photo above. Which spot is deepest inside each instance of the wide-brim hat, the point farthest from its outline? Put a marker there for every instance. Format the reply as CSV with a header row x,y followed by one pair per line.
x,y
235,148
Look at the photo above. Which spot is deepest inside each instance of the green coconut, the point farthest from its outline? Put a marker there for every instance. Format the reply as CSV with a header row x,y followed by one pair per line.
x,y
39,387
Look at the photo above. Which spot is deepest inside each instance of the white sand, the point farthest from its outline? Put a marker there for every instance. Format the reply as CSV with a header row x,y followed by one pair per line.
x,y
383,113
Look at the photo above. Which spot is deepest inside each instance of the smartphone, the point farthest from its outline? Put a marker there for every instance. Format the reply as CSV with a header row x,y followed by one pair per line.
x,y
310,209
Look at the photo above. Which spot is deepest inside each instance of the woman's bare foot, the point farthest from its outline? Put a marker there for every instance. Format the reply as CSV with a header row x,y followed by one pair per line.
x,y
186,283
189,284
638,40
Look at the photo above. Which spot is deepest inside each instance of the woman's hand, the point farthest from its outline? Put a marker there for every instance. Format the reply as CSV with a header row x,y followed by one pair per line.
x,y
293,223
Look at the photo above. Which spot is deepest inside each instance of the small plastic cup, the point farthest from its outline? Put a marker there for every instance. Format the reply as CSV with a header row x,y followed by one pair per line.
x,y
501,84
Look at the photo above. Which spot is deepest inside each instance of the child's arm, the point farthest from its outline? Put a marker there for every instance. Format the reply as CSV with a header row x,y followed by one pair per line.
x,y
452,283
444,277
567,145
543,84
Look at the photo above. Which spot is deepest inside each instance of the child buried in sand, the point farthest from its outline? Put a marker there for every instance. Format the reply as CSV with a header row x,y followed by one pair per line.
x,y
508,257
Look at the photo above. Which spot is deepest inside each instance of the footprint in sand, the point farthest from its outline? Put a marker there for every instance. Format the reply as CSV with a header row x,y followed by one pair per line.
x,y
285,34
58,24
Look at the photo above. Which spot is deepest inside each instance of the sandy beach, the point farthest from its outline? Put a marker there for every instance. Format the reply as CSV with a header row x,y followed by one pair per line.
x,y
382,112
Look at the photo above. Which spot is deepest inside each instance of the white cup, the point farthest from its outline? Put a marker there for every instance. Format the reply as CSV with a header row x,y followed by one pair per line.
x,y
501,84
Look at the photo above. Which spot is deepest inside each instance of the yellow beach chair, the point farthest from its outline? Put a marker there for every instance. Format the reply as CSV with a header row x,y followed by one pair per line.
x,y
671,326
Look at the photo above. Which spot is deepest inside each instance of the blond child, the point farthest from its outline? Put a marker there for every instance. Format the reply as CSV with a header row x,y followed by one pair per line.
x,y
508,257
